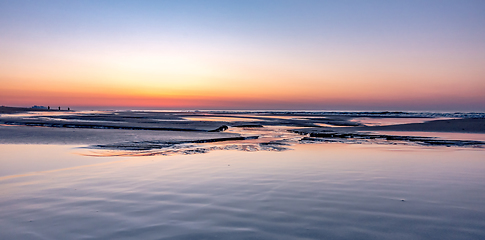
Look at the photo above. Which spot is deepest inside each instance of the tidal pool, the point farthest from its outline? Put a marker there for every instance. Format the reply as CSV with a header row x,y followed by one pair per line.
x,y
314,191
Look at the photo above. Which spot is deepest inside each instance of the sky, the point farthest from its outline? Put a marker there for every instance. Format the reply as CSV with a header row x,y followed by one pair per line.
x,y
294,55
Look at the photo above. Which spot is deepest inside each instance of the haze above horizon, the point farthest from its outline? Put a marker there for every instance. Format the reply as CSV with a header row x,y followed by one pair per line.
x,y
309,55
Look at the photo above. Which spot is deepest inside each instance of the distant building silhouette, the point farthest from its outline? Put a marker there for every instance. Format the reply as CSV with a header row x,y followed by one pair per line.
x,y
38,107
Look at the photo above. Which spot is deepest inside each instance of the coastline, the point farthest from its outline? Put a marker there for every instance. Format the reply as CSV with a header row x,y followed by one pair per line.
x,y
151,130
12,110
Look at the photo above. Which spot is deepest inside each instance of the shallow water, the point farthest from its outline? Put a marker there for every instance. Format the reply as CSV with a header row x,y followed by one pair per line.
x,y
316,191
20,159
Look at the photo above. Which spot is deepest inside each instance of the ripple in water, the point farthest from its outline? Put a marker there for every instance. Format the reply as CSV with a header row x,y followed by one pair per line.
x,y
316,191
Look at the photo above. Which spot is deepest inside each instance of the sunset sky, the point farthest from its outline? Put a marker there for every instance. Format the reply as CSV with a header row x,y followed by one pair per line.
x,y
309,55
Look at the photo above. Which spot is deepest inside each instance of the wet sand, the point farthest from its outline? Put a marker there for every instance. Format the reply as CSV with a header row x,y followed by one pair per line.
x,y
450,125
147,130
54,135
213,175
316,191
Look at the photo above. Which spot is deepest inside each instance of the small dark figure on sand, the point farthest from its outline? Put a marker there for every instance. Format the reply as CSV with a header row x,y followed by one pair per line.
x,y
68,109
48,107
59,108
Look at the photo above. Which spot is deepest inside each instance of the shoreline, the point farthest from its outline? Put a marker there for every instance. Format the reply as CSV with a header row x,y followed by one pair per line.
x,y
161,130
13,110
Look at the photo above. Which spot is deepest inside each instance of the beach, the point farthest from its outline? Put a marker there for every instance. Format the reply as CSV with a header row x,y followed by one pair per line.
x,y
175,128
291,120
266,175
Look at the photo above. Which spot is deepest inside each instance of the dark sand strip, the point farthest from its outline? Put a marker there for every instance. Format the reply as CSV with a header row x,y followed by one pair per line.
x,y
470,125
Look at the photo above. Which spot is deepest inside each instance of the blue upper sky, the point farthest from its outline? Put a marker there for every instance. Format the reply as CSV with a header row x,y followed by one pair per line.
x,y
342,46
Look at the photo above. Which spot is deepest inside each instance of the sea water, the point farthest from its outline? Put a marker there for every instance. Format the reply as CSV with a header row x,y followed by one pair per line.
x,y
314,191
